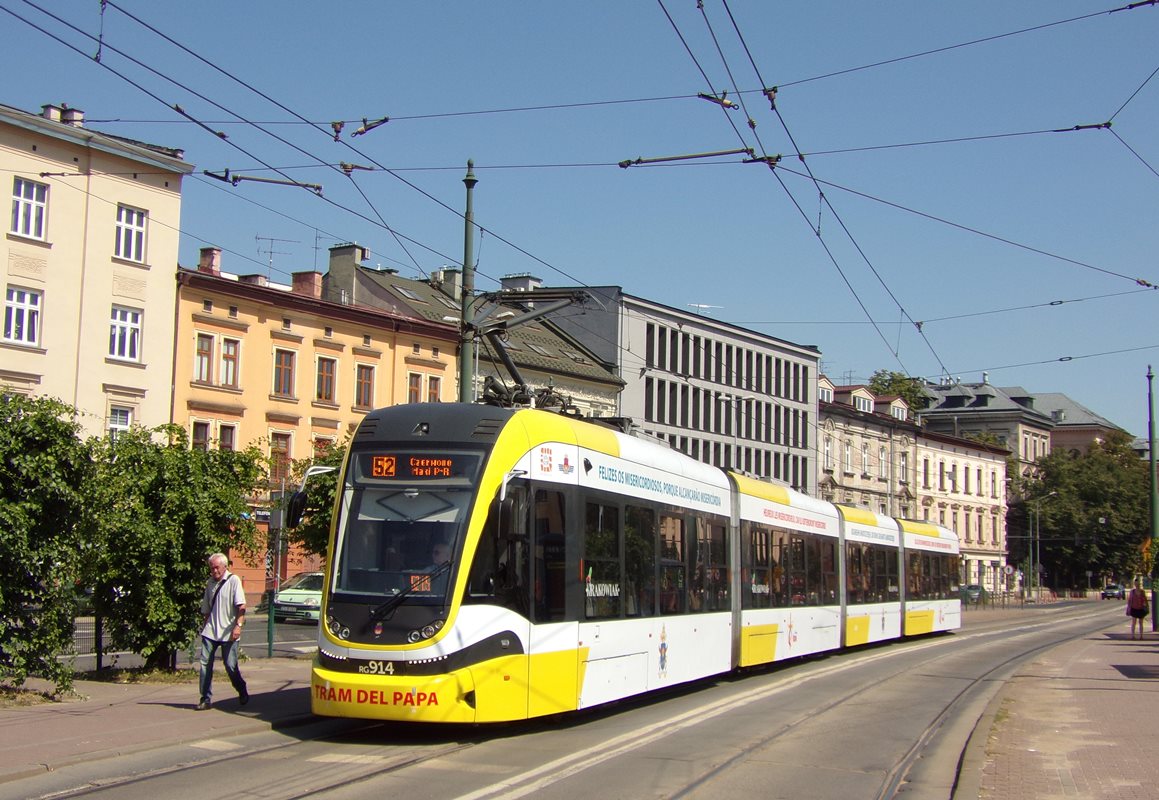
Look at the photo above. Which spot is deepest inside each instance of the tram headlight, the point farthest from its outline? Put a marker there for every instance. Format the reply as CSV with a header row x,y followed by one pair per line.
x,y
334,625
426,632
429,631
414,636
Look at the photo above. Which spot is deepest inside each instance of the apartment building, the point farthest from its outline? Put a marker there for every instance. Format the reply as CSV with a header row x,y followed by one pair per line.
x,y
88,265
278,366
865,449
723,394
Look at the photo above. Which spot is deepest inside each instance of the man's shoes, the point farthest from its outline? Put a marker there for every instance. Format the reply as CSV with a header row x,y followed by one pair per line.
x,y
203,705
243,697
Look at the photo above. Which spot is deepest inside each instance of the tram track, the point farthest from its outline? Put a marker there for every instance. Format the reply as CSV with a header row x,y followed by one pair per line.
x,y
321,763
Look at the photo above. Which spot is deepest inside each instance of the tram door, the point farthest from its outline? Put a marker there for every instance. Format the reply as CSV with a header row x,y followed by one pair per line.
x,y
553,674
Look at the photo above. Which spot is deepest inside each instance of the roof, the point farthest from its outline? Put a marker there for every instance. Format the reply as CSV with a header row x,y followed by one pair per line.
x,y
1067,413
537,345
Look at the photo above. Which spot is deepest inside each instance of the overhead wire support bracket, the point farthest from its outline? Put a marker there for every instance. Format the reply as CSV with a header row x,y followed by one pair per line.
x,y
348,168
771,93
746,151
721,101
1098,126
316,188
367,126
224,177
771,161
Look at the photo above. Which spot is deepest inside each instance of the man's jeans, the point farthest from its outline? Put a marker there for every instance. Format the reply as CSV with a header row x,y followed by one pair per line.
x,y
228,659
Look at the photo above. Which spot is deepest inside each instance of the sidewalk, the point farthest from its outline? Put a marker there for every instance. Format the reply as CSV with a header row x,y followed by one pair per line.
x,y
110,719
1077,722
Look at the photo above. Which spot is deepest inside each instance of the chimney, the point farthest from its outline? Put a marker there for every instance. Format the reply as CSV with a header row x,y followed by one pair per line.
x,y
253,280
523,282
51,112
72,116
450,280
210,262
308,284
339,283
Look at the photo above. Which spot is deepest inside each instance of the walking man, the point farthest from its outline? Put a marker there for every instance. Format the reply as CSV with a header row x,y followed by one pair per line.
x,y
223,614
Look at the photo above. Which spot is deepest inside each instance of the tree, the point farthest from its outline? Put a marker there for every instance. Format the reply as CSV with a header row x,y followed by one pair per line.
x,y
885,382
163,508
1098,517
313,534
45,471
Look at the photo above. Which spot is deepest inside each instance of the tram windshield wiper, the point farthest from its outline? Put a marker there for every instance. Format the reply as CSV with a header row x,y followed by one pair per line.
x,y
395,601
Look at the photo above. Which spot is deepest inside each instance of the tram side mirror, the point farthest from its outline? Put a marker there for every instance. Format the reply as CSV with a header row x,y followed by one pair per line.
x,y
506,518
295,508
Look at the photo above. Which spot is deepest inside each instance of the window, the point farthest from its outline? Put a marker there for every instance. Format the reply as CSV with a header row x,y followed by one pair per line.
x,y
230,351
203,360
201,436
22,316
414,392
29,208
279,457
284,373
120,420
848,457
130,243
434,383
327,368
364,386
829,452
862,404
825,394
125,334
865,458
903,467
882,463
227,437
603,579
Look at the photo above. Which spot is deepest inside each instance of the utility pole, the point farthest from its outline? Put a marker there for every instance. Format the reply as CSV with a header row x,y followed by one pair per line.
x,y
467,330
1154,498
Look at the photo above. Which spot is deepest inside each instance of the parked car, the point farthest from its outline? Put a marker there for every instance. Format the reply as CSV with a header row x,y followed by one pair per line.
x,y
299,598
1114,591
973,593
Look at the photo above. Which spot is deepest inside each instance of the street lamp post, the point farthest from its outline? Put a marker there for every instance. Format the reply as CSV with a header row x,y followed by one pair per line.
x,y
1036,548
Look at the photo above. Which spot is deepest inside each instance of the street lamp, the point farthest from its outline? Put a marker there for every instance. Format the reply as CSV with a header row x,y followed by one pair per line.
x,y
1036,547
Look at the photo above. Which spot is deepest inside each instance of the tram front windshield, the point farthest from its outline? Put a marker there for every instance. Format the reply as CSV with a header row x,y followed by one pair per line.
x,y
402,522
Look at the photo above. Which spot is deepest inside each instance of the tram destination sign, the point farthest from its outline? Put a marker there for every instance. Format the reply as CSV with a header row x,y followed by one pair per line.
x,y
410,466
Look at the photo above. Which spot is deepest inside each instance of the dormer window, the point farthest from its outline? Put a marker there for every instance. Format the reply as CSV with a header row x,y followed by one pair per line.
x,y
862,404
825,394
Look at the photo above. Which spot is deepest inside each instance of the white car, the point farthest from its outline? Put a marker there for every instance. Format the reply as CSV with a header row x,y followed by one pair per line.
x,y
299,598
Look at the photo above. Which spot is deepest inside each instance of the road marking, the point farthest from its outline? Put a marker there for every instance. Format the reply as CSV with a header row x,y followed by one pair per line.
x,y
347,758
217,745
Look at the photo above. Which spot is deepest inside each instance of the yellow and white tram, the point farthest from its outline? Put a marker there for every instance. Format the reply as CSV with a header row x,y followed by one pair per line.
x,y
587,566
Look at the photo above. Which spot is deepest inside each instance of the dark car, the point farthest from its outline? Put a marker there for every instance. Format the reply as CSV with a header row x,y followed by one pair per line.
x,y
973,593
1114,591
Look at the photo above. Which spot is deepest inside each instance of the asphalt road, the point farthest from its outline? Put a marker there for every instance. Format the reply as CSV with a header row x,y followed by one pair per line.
x,y
864,725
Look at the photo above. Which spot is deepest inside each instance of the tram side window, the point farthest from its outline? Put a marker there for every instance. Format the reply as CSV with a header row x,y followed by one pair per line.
x,y
858,573
709,587
550,557
913,576
673,566
782,595
602,579
827,549
500,571
885,583
640,561
756,571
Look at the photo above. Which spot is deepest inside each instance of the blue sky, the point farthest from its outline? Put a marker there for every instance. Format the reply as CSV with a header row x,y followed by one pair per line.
x,y
942,193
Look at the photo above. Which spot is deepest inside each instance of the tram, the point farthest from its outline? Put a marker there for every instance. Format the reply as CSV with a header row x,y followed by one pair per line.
x,y
492,564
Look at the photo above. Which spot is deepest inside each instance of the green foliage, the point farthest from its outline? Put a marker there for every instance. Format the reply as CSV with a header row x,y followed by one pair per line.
x,y
1098,517
313,534
161,509
885,382
45,470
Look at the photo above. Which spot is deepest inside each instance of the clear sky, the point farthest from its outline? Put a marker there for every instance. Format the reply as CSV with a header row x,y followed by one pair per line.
x,y
942,184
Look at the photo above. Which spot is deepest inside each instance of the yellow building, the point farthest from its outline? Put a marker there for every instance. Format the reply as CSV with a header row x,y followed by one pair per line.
x,y
88,265
280,367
